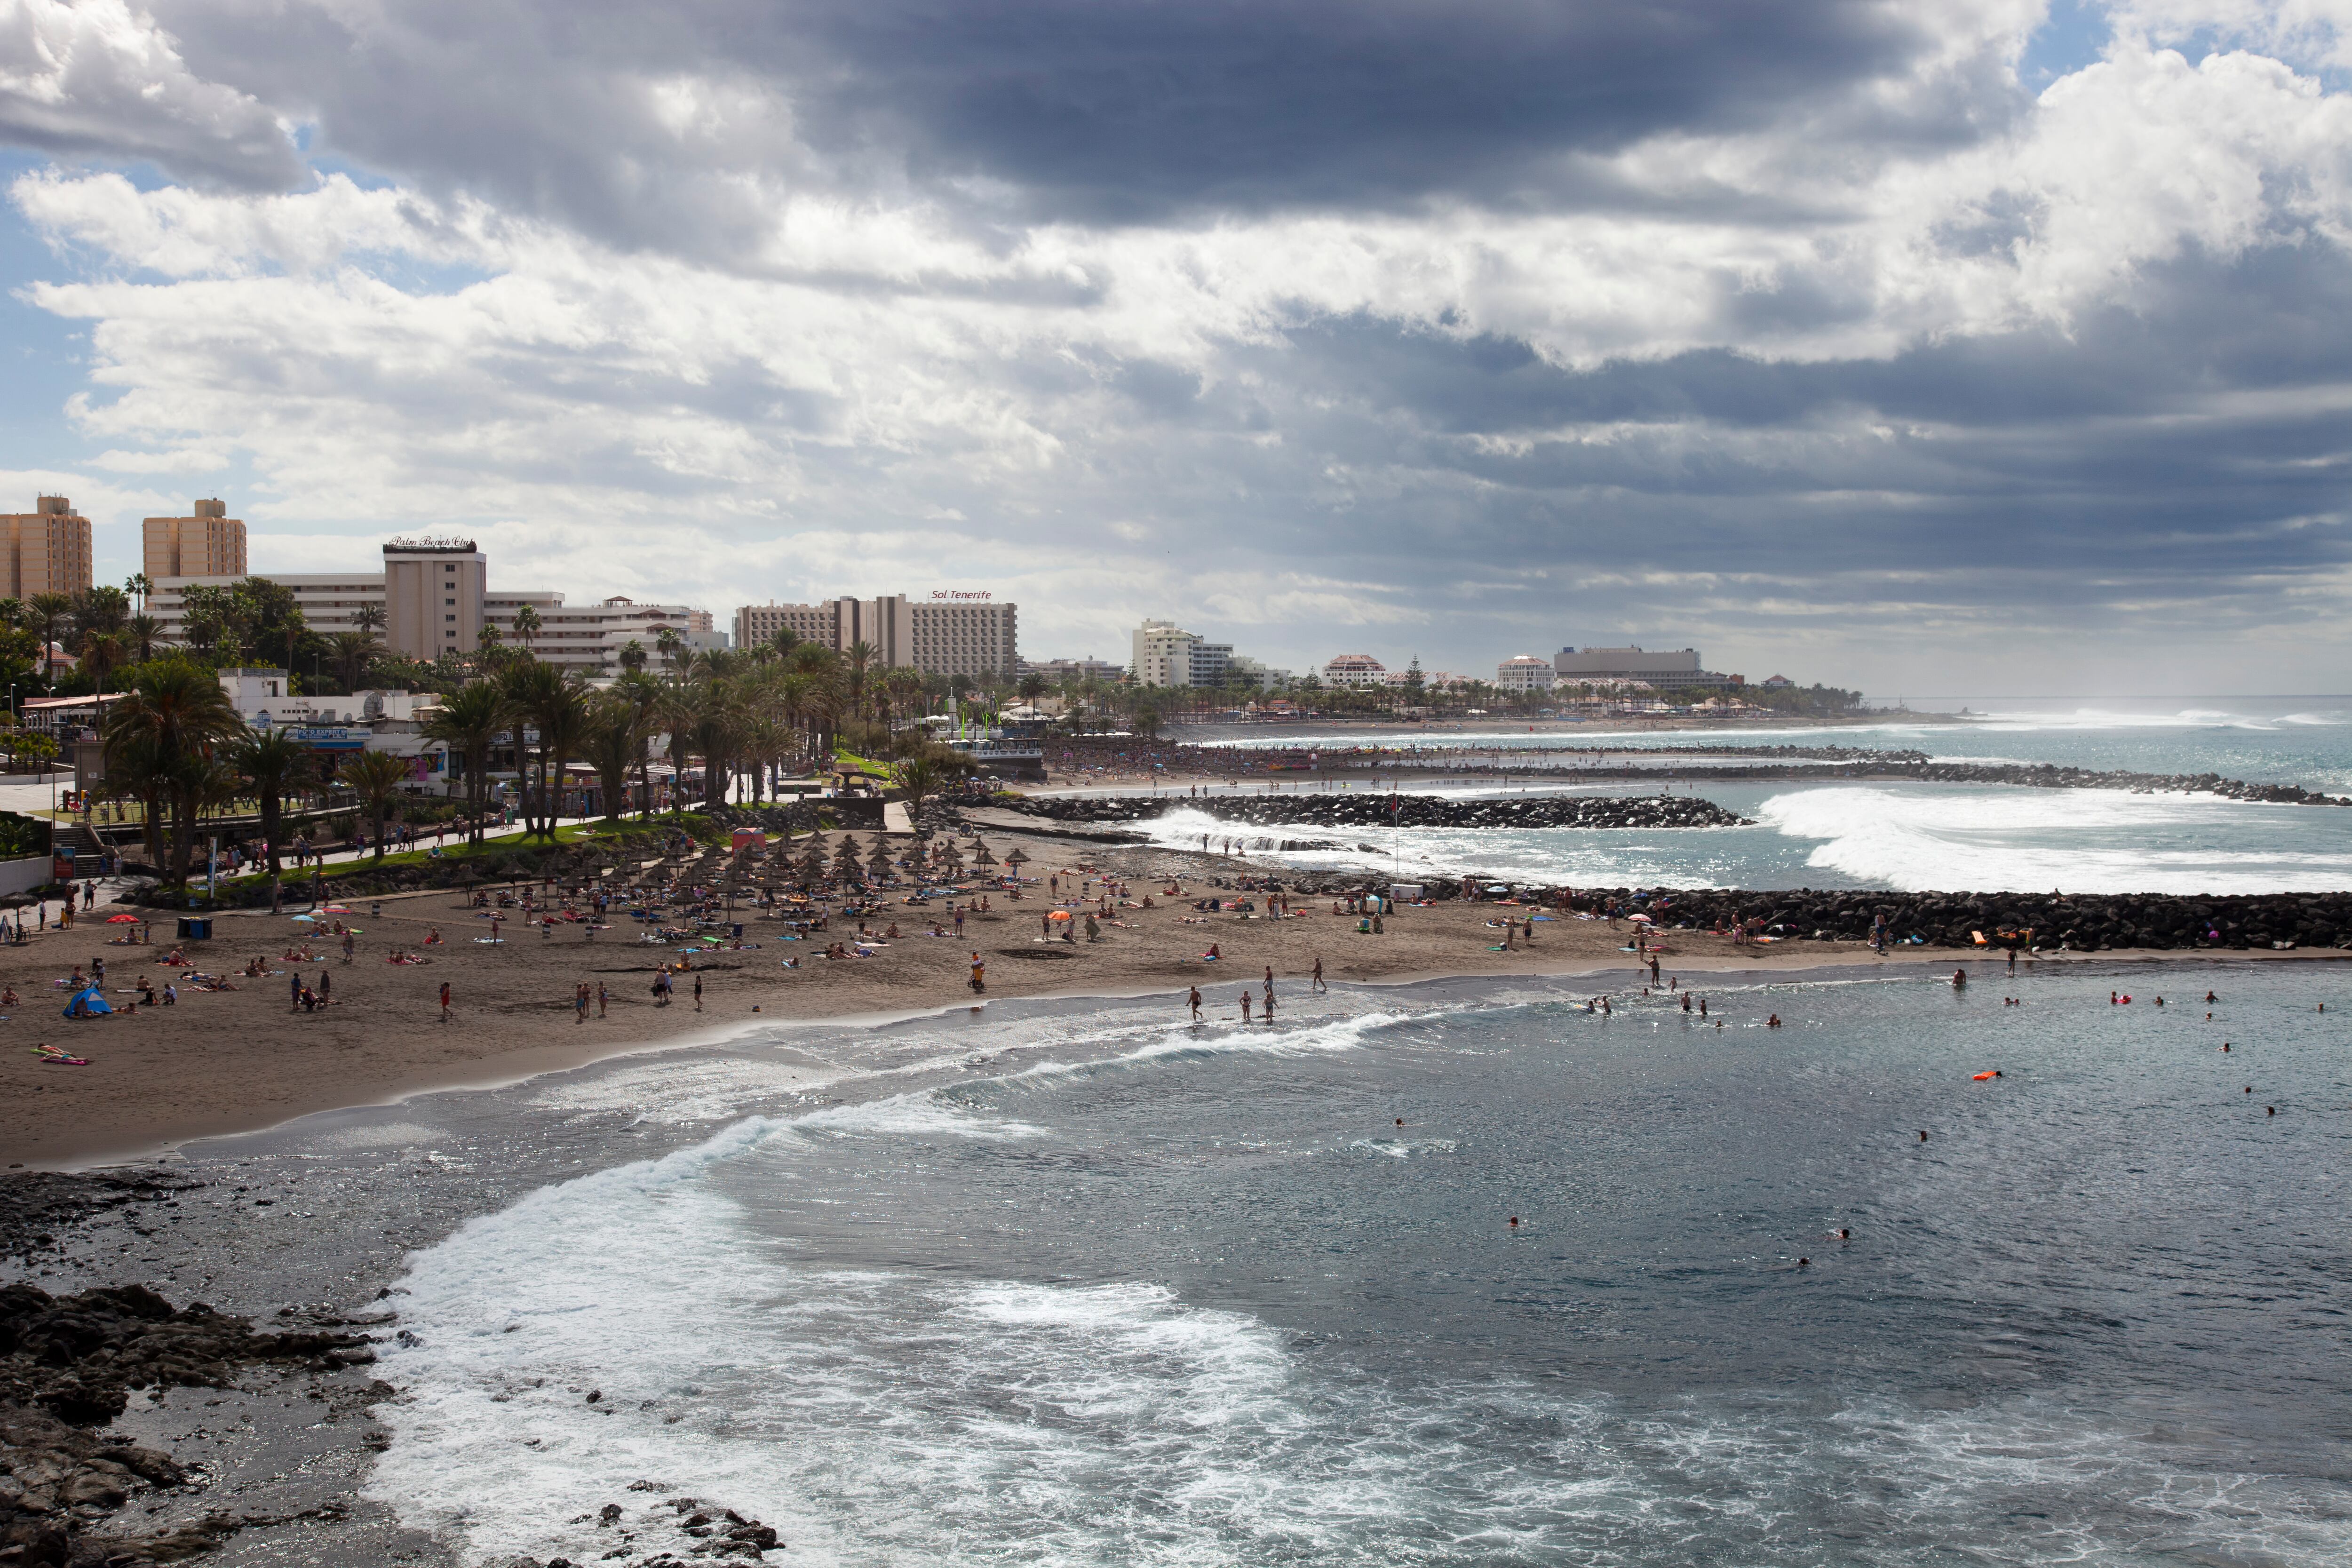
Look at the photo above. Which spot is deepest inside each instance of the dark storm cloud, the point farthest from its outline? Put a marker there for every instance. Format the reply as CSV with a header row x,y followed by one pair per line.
x,y
1048,108
1128,110
2194,448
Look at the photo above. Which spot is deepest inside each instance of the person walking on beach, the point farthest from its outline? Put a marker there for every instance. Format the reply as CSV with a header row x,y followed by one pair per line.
x,y
1246,1006
326,985
697,992
579,1003
1267,1005
603,997
294,991
1318,974
445,1000
1194,1000
350,944
978,975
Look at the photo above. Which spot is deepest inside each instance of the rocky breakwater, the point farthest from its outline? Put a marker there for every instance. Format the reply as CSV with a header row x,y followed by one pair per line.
x,y
2078,922
1370,809
66,1366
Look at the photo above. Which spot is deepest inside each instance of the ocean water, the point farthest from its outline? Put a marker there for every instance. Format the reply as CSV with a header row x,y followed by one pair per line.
x,y
1915,837
1074,1284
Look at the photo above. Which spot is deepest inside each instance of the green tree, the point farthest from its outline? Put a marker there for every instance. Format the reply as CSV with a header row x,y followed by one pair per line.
x,y
353,652
632,657
47,613
470,722
165,734
273,764
376,776
145,632
555,704
612,747
526,626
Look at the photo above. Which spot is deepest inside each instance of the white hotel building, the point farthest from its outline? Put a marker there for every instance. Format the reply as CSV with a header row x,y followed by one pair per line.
x,y
433,597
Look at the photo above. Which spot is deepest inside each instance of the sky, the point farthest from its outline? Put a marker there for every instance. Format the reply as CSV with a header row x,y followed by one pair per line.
x,y
1956,345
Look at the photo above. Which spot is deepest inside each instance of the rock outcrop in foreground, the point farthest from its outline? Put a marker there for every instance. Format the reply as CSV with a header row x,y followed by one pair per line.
x,y
66,1366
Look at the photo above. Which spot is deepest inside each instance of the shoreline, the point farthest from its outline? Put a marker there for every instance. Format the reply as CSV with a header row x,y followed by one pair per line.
x,y
89,1154
311,1221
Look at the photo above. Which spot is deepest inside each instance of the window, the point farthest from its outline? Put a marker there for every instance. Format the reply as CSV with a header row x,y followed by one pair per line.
x,y
448,618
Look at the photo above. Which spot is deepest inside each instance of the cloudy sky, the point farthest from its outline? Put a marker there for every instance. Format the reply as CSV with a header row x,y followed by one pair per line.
x,y
1941,346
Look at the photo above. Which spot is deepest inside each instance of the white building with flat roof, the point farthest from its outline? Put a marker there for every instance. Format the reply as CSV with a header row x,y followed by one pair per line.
x,y
433,597
950,633
1524,672
1359,670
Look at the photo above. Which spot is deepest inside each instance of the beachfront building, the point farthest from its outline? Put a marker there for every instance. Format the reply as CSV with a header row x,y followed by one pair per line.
x,y
208,542
1523,673
591,637
1075,671
47,548
1597,666
1359,669
433,597
1168,654
952,633
1256,674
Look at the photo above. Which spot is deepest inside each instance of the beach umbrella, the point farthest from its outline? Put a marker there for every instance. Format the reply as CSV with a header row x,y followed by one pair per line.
x,y
1642,919
122,920
980,855
1059,915
1016,858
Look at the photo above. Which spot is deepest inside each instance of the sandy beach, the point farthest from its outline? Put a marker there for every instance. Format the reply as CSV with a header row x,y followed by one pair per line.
x,y
234,1061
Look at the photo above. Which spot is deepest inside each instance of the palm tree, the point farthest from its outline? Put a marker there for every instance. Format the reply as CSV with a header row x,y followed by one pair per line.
x,y
274,764
921,776
643,693
377,777
470,723
671,646
138,585
554,703
859,655
100,653
46,610
370,617
165,732
354,651
145,632
527,625
632,657
612,745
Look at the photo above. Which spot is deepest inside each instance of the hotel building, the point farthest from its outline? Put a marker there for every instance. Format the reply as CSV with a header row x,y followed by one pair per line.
x,y
944,635
433,597
47,548
209,544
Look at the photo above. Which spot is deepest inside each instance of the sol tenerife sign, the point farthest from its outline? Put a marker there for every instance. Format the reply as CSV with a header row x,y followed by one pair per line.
x,y
959,595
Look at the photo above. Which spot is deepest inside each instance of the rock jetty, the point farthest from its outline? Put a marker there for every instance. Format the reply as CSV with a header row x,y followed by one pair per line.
x,y
1369,808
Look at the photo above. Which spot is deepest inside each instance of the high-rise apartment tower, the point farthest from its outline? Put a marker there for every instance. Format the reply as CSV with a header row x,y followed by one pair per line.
x,y
47,548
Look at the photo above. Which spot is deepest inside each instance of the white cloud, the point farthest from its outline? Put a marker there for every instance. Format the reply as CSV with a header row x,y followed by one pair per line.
x,y
96,79
863,390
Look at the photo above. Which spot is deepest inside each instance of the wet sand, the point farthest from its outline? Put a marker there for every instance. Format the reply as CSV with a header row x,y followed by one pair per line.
x,y
244,1059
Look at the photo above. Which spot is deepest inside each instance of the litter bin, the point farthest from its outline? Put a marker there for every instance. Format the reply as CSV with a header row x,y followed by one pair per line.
x,y
195,928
